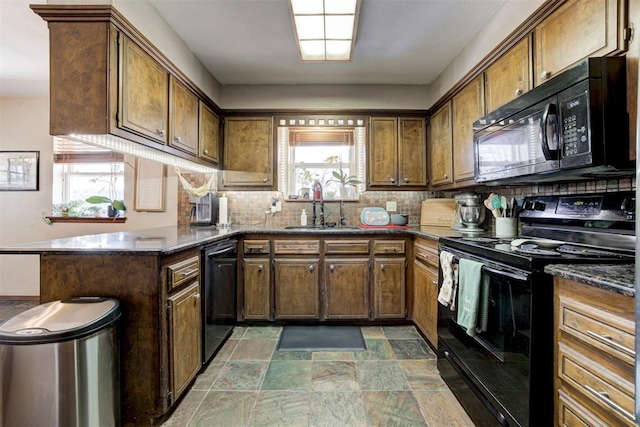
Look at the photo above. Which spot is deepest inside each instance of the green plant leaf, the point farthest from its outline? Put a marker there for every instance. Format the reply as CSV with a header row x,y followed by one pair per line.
x,y
97,199
119,205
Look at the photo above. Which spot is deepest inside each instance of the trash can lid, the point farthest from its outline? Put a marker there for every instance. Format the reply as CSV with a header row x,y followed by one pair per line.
x,y
60,321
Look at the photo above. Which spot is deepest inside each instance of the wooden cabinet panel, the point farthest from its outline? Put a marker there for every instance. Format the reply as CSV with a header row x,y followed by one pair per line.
x,y
296,247
256,246
144,101
346,247
389,287
577,30
467,107
185,340
183,118
388,247
346,288
248,152
181,272
209,134
440,146
572,413
296,283
509,76
383,151
412,152
257,289
425,311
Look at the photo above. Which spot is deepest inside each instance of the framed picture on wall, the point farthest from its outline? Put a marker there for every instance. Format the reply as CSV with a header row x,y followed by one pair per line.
x,y
149,186
19,170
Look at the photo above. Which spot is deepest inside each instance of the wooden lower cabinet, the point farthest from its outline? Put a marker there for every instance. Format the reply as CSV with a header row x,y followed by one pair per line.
x,y
257,289
346,288
296,288
185,337
425,309
389,287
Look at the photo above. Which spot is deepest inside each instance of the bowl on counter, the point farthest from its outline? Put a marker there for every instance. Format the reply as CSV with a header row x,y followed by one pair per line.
x,y
399,219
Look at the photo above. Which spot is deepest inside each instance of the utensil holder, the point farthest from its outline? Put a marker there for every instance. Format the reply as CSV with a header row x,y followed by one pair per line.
x,y
506,227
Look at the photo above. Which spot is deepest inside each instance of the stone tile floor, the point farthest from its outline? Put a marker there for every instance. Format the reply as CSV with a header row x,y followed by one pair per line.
x,y
12,307
394,382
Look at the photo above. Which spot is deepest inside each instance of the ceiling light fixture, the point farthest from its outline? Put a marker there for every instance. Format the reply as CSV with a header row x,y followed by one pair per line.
x,y
325,30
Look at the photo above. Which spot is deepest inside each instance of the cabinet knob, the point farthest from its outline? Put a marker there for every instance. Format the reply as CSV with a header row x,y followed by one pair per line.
x,y
265,179
518,92
197,295
160,132
332,267
445,176
381,266
312,267
392,180
177,139
206,151
434,282
406,180
545,74
260,267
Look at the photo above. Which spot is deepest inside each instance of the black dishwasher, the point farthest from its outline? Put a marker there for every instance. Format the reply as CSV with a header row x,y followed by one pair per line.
x,y
220,262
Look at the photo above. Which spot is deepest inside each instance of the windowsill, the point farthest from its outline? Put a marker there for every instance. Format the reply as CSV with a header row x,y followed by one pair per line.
x,y
325,200
86,219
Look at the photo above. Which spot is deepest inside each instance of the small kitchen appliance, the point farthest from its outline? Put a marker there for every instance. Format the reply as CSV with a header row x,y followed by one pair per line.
x,y
507,368
204,210
470,213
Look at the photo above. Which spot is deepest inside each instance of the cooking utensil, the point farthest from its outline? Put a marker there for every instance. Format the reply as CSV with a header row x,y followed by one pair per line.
x,y
503,206
494,204
487,204
513,208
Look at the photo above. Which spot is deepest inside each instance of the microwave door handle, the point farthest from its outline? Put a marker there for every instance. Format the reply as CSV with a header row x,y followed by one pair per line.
x,y
549,110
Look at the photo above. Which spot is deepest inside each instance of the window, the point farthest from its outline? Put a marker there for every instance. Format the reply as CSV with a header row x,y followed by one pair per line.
x,y
81,171
333,156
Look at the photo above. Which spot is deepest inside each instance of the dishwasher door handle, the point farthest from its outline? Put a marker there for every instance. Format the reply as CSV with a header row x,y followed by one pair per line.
x,y
219,252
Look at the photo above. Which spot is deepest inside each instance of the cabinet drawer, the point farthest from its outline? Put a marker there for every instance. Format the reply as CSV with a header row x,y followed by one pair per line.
x,y
182,272
599,328
346,247
298,247
256,247
611,391
572,413
426,255
388,247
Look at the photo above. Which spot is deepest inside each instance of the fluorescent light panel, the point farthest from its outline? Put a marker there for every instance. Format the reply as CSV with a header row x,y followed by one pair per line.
x,y
325,29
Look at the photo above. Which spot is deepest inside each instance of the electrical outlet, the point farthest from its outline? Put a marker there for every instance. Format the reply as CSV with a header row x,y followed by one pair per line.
x,y
279,206
392,206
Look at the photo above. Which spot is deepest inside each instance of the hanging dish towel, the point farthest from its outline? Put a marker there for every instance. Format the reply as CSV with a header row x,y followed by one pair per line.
x,y
473,300
446,296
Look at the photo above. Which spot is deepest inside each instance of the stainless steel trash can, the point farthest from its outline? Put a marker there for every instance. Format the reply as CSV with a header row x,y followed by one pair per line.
x,y
59,363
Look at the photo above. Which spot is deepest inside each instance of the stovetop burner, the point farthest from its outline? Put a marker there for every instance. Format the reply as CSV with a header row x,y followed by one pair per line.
x,y
584,251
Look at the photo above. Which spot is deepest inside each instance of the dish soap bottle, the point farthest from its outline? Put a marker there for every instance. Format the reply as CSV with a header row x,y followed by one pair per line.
x,y
303,217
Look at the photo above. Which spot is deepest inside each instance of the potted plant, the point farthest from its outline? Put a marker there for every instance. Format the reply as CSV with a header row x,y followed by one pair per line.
x,y
341,177
115,205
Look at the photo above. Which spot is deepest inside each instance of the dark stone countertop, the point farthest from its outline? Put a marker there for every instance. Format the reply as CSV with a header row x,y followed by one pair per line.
x,y
170,239
618,278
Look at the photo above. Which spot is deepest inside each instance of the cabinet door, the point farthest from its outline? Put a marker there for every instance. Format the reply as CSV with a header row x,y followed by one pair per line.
x,y
577,30
248,152
509,76
296,283
412,151
389,287
183,118
209,138
467,106
383,152
425,312
440,154
257,289
346,292
144,101
185,339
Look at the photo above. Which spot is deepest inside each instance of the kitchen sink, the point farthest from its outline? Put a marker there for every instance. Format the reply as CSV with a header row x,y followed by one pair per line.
x,y
319,227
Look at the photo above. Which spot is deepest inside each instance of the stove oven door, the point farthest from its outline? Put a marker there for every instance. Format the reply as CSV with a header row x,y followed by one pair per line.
x,y
497,364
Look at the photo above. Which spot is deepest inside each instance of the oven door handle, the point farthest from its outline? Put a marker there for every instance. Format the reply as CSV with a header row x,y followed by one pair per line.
x,y
515,276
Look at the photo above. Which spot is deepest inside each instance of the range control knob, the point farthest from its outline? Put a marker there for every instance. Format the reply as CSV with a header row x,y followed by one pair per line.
x,y
539,206
527,206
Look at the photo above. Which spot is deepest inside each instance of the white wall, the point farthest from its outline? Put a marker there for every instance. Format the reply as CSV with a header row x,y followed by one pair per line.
x,y
24,125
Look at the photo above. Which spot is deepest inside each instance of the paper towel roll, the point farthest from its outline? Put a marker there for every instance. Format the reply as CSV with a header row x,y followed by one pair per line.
x,y
222,215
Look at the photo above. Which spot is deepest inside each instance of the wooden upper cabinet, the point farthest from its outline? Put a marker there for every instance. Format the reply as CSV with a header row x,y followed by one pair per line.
x,y
144,100
397,152
467,106
248,152
209,138
412,151
183,118
509,76
383,152
577,30
440,146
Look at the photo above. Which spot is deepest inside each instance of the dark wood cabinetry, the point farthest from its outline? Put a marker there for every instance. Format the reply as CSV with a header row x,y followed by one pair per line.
x,y
425,287
440,146
209,134
183,118
346,288
297,284
509,76
257,289
467,106
389,287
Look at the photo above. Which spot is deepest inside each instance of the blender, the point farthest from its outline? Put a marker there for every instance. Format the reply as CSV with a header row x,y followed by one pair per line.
x,y
470,213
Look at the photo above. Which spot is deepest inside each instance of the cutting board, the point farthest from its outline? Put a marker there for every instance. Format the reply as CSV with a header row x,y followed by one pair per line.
x,y
438,212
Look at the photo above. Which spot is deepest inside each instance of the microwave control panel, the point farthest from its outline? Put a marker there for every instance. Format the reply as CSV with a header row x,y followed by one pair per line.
x,y
574,122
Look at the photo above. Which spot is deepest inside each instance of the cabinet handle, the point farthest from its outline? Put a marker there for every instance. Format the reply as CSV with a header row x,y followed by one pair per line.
x,y
392,180
332,267
265,179
260,267
177,139
613,405
160,132
545,74
312,267
518,92
421,255
607,340
184,274
406,180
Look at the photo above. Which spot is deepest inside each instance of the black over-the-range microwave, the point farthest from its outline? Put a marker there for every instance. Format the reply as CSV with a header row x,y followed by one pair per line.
x,y
574,126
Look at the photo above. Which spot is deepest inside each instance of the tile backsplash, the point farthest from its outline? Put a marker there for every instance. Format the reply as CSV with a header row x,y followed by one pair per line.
x,y
252,207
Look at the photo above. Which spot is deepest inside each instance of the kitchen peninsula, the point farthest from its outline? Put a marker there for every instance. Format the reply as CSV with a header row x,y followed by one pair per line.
x,y
155,273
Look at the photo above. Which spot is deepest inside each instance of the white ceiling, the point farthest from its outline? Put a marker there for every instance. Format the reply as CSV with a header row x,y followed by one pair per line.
x,y
249,42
